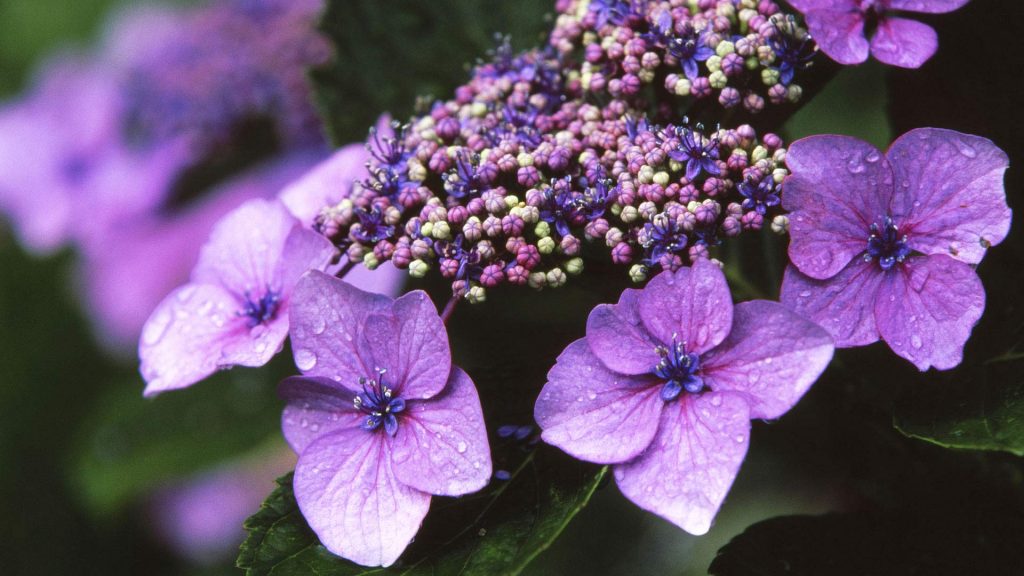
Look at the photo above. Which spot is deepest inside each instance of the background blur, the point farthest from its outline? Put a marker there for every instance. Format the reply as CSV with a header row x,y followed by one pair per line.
x,y
87,465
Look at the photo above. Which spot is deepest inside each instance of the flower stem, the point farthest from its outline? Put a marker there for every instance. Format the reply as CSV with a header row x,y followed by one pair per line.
x,y
449,308
349,265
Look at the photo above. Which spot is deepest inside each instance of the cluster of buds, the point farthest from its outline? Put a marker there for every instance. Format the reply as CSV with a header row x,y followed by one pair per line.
x,y
738,52
507,182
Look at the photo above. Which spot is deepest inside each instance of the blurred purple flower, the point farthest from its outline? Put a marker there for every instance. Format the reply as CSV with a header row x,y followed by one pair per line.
x,y
839,28
665,383
380,420
882,245
235,309
201,517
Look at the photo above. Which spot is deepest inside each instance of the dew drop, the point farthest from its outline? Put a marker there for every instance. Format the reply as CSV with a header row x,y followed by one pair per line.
x,y
304,423
592,395
805,294
716,400
185,294
156,327
915,341
319,325
461,447
873,157
740,438
305,359
966,149
855,166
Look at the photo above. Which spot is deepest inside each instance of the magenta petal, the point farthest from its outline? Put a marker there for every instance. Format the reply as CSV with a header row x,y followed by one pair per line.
x,y
956,201
184,339
441,444
692,305
688,469
328,183
326,315
303,250
411,343
839,33
927,308
316,407
927,6
245,247
595,414
349,495
822,244
904,43
772,355
806,6
842,305
618,338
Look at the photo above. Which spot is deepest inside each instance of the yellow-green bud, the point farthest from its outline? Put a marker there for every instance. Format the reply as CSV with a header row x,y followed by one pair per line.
x,y
441,230
682,87
718,80
759,153
646,174
476,295
629,214
511,201
370,261
770,76
542,229
714,63
725,48
556,277
546,245
536,280
574,266
638,273
427,228
478,109
524,159
661,178
418,268
779,174
780,224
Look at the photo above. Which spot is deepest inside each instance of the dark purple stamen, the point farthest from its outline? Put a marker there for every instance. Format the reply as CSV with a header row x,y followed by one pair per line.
x,y
886,244
679,370
372,227
379,403
759,195
663,236
262,309
697,155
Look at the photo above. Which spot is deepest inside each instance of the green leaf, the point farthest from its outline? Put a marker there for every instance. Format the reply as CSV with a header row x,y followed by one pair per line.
x,y
132,444
389,52
978,408
878,544
496,532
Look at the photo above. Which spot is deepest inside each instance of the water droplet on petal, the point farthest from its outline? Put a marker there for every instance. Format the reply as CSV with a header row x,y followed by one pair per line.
x,y
716,400
966,149
592,395
156,327
305,359
915,341
319,325
185,294
855,166
461,447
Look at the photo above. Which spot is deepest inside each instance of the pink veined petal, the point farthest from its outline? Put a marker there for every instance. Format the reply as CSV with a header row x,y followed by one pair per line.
x,y
441,445
926,310
184,339
316,407
822,243
772,355
927,6
617,336
904,43
809,5
347,491
303,250
843,305
411,343
326,317
245,247
692,305
689,467
955,201
328,183
593,413
839,33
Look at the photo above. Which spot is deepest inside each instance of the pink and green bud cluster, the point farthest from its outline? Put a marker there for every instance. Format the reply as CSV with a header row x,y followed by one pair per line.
x,y
510,179
740,53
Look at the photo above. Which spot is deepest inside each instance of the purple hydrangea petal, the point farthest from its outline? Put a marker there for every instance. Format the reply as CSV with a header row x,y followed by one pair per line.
x,y
927,6
326,184
956,201
326,315
772,355
593,413
700,445
618,338
348,493
245,248
840,34
809,5
839,187
692,305
926,310
303,250
315,407
843,305
411,343
441,445
904,43
185,338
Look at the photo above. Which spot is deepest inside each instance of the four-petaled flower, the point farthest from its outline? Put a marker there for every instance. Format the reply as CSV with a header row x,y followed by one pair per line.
x,y
380,420
882,245
234,312
839,28
665,383
698,153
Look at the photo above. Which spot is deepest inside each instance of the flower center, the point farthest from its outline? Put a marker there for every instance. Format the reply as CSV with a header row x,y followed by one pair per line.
x,y
679,370
262,309
886,244
379,403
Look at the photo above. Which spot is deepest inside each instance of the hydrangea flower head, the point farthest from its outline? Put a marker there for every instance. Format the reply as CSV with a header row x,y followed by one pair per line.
x,y
381,419
235,309
665,383
882,245
839,26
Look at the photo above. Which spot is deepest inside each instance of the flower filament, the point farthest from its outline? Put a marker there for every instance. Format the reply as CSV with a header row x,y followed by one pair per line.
x,y
379,403
679,370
